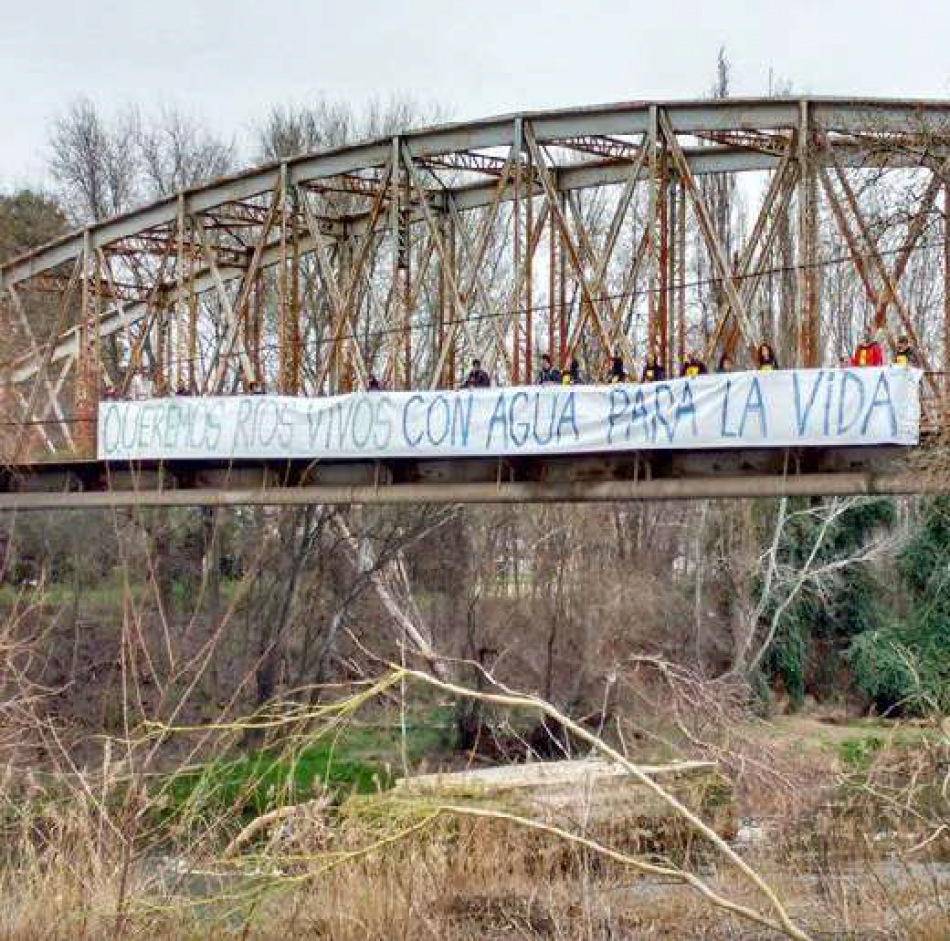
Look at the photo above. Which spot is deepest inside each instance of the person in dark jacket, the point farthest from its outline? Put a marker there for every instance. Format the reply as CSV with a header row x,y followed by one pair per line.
x,y
477,378
693,366
652,370
572,375
548,374
905,354
616,373
372,384
765,360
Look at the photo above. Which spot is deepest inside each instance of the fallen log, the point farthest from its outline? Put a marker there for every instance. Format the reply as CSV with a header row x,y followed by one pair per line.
x,y
591,792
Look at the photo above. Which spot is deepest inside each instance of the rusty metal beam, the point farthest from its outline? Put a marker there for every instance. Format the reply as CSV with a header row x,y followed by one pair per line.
x,y
714,488
324,275
871,116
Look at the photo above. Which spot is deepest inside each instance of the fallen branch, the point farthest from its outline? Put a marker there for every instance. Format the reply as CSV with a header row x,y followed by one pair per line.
x,y
514,700
259,824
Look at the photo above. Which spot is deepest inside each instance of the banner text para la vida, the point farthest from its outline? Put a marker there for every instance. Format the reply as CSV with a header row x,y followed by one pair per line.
x,y
738,409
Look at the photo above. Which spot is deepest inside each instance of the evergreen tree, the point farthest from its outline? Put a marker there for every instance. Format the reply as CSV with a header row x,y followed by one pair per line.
x,y
816,631
904,665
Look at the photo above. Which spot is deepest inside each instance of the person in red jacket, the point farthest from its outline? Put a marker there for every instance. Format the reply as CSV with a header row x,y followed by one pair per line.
x,y
868,352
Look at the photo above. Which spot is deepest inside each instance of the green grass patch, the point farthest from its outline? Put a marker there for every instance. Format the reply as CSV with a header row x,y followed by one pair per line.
x,y
387,744
358,761
105,596
261,781
859,752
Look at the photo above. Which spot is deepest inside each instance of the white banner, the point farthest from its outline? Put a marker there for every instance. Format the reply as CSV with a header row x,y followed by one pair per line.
x,y
788,408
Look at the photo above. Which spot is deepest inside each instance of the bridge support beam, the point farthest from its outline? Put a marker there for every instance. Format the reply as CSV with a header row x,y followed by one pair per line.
x,y
725,488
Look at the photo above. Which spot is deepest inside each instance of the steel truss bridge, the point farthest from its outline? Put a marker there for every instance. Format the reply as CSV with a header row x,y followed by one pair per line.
x,y
578,232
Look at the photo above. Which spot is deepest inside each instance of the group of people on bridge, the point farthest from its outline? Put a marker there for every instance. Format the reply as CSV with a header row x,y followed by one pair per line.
x,y
868,353
653,370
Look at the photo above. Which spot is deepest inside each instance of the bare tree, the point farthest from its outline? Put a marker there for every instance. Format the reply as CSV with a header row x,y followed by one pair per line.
x,y
781,583
94,163
102,166
291,129
176,151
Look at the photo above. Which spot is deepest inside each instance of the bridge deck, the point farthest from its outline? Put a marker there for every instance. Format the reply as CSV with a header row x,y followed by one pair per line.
x,y
654,475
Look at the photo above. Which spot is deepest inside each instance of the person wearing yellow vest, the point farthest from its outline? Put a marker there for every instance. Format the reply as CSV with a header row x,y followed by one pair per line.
x,y
652,370
765,360
868,352
905,354
693,366
572,375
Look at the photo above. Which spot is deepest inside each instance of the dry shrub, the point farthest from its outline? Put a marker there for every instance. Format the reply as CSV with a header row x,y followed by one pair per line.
x,y
675,710
84,854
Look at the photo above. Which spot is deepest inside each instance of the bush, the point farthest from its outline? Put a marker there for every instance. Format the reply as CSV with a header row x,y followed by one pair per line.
x,y
905,665
901,671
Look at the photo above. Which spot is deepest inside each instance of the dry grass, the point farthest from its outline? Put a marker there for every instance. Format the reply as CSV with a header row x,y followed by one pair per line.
x,y
476,885
90,852
81,856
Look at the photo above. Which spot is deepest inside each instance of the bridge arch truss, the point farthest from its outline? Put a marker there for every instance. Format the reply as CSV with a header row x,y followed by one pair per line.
x,y
575,232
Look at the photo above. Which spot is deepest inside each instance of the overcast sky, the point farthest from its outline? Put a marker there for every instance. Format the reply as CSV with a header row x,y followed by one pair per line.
x,y
227,60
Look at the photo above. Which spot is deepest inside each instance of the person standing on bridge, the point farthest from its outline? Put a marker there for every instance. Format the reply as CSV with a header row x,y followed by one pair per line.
x,y
652,370
905,354
477,378
572,375
616,373
765,360
549,374
868,352
693,366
